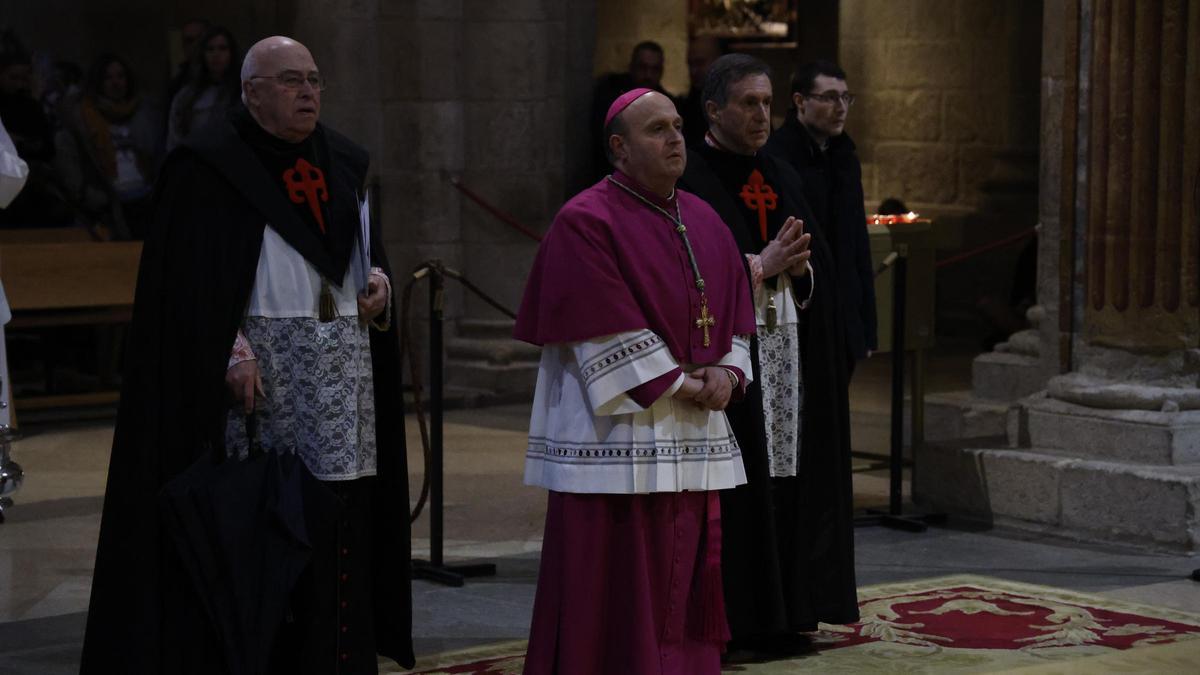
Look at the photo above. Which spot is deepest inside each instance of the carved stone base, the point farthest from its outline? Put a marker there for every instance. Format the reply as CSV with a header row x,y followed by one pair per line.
x,y
1124,476
1131,436
999,379
1043,490
959,414
1000,376
487,362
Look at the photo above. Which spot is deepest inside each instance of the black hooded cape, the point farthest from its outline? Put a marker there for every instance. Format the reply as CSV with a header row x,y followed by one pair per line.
x,y
787,551
833,188
198,266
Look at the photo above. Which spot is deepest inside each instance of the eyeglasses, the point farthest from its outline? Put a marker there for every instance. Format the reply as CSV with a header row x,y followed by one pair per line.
x,y
832,98
294,79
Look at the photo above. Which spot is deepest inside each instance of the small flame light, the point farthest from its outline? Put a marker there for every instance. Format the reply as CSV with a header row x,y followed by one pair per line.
x,y
888,220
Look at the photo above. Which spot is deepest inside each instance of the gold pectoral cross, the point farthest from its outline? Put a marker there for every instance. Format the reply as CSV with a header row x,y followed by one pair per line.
x,y
706,320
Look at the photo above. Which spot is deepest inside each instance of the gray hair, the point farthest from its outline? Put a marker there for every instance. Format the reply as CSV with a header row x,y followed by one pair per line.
x,y
256,51
617,127
249,65
728,70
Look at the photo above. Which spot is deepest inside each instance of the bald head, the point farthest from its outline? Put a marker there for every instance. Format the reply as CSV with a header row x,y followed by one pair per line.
x,y
267,54
277,87
646,142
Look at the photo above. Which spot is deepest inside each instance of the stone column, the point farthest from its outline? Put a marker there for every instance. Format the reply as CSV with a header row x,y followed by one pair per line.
x,y
493,94
521,61
1135,347
1143,285
1111,448
393,85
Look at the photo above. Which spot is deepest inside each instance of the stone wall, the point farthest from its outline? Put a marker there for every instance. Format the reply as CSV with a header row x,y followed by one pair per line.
x,y
947,120
467,90
526,68
1110,448
621,24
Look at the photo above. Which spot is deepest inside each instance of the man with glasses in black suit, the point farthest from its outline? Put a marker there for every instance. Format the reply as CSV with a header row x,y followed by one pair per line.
x,y
813,140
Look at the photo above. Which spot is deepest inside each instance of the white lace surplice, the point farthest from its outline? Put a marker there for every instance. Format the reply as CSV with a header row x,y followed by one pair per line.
x,y
587,435
320,394
780,374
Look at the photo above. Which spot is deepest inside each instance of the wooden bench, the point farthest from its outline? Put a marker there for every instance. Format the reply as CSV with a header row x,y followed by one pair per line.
x,y
51,280
45,235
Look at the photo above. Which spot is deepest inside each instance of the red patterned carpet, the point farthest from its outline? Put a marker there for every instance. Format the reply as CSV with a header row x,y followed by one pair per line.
x,y
962,624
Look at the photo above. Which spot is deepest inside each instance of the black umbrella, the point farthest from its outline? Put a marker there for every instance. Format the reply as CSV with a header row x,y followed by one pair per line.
x,y
243,528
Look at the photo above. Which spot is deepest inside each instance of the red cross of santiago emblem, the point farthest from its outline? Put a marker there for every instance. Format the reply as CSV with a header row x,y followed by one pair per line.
x,y
761,197
306,182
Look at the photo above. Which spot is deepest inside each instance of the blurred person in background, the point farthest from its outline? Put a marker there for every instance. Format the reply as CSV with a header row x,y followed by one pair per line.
x,y
40,203
645,70
109,150
212,90
190,33
701,53
62,83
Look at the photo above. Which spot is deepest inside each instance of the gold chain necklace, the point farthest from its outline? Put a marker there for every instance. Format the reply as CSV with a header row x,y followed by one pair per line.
x,y
706,320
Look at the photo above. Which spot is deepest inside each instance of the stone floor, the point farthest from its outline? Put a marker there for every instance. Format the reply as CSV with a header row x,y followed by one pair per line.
x,y
48,544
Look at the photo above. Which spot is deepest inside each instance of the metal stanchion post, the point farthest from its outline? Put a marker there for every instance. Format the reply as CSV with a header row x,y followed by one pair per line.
x,y
435,569
899,304
894,516
917,394
437,290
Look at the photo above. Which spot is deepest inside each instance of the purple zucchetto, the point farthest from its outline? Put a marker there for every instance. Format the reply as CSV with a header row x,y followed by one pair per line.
x,y
623,102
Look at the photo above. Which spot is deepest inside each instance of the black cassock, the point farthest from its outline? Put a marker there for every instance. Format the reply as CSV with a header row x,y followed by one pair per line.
x,y
787,553
833,188
198,267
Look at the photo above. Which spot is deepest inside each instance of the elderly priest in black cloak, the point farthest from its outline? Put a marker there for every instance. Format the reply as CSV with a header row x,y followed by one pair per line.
x,y
788,561
262,282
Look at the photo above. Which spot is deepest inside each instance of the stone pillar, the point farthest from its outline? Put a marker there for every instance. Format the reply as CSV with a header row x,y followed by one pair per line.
x,y
523,63
383,95
1139,329
466,89
493,94
1142,278
1111,448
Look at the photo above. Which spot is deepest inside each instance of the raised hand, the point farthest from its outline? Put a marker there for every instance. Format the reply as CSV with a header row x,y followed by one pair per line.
x,y
800,267
788,250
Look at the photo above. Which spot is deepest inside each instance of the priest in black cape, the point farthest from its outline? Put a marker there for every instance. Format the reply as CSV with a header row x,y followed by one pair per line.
x,y
253,283
813,140
789,558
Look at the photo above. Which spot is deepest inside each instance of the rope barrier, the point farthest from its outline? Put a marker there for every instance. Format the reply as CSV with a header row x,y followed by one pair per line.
x,y
494,210
879,220
967,255
420,272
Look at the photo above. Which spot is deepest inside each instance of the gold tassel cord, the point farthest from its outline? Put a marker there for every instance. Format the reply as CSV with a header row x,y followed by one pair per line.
x,y
326,309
